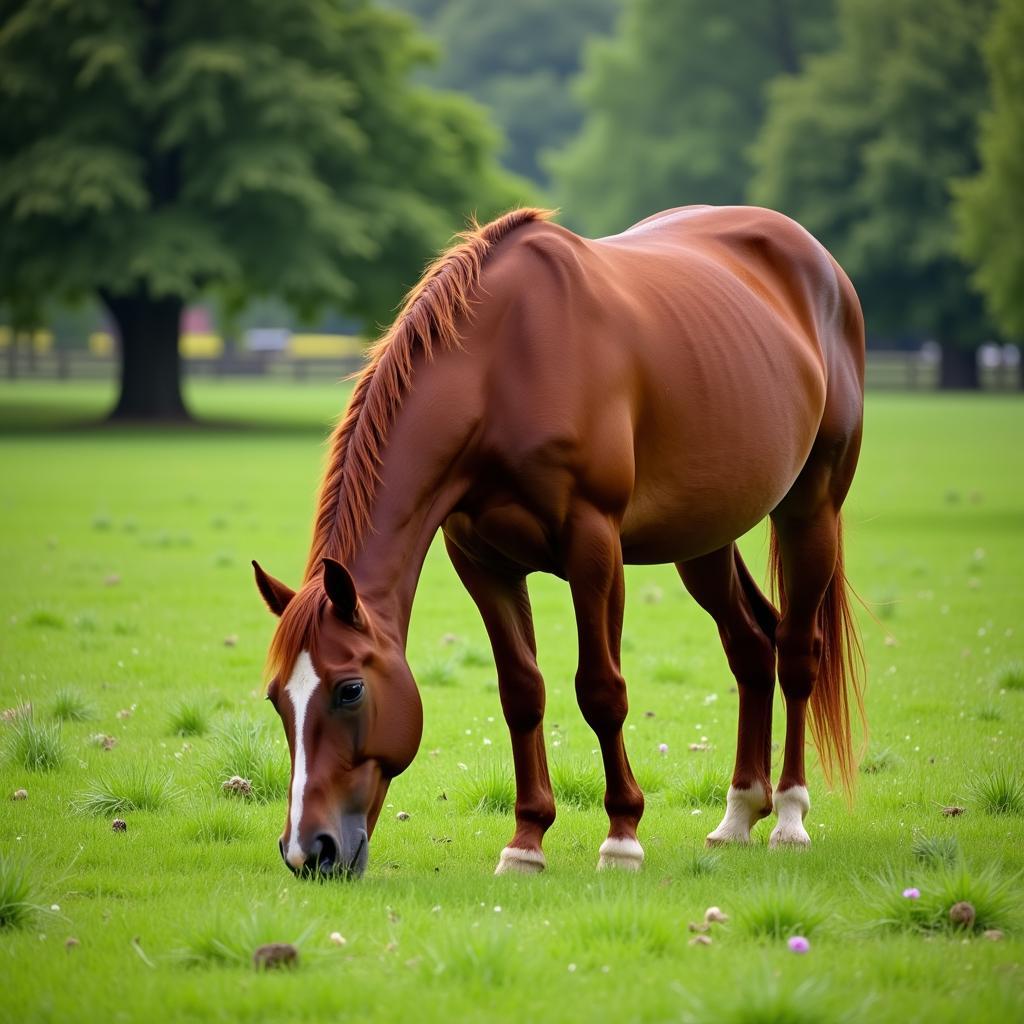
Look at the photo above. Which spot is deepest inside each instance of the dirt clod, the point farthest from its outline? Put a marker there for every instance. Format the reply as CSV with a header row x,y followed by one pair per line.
x,y
274,955
700,940
236,784
119,825
952,812
962,914
20,794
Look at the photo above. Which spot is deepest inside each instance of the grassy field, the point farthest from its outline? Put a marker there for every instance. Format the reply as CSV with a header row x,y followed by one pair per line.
x,y
129,620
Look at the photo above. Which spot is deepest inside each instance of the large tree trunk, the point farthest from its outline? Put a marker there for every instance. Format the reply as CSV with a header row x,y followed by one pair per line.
x,y
958,370
151,370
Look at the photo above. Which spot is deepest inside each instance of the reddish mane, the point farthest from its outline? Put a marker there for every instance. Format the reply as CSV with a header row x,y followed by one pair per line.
x,y
429,317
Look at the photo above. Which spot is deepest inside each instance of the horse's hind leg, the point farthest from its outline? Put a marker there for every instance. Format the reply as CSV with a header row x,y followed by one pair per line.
x,y
722,586
594,571
504,605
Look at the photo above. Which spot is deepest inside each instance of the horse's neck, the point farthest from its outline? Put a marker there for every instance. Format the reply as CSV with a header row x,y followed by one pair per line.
x,y
420,484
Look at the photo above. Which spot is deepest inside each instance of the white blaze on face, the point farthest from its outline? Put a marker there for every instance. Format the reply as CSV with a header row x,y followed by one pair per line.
x,y
300,688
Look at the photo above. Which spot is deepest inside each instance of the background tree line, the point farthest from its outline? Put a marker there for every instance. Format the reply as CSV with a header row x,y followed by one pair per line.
x,y
317,151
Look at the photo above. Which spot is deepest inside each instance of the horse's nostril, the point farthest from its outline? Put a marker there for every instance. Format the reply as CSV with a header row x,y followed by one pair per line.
x,y
324,853
280,846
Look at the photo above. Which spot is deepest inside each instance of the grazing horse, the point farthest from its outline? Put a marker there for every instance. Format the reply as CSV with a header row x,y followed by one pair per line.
x,y
562,405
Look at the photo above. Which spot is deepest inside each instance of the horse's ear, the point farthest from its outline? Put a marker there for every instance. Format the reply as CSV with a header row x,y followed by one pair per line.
x,y
275,593
342,591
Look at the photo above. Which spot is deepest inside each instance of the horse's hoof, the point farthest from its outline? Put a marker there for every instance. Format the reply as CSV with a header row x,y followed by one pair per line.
x,y
723,837
743,809
517,861
795,838
624,854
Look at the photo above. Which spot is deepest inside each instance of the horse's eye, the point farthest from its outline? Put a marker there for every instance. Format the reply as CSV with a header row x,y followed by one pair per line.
x,y
348,693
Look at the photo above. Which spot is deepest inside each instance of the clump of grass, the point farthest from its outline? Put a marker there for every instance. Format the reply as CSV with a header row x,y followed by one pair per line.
x,y
189,718
630,924
243,747
70,706
651,778
1011,676
989,713
475,657
701,863
770,1000
230,942
999,792
37,746
491,789
16,907
485,957
935,850
884,759
994,896
438,672
780,909
221,822
43,619
577,782
705,787
132,786
668,670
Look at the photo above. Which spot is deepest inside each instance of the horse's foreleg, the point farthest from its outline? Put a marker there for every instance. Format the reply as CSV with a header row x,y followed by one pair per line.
x,y
809,547
721,585
504,606
594,571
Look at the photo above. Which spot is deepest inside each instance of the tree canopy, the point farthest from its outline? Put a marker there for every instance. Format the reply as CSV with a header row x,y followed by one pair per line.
x,y
517,58
155,149
673,102
862,148
990,210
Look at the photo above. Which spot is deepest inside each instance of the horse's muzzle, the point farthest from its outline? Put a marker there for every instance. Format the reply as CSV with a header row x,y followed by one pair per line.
x,y
331,855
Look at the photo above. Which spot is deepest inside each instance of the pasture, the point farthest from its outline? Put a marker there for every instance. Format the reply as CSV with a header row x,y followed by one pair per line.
x,y
130,622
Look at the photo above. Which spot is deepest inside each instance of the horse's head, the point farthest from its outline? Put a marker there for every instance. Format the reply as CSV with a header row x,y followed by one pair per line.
x,y
351,712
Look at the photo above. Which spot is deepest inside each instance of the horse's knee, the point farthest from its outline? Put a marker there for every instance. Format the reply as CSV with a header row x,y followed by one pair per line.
x,y
522,699
751,657
799,660
602,700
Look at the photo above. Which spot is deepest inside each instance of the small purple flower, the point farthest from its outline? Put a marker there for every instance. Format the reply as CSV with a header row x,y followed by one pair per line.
x,y
662,748
911,894
798,944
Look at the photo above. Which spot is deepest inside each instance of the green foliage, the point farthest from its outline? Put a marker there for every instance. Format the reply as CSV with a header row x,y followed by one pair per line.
x,y
672,103
935,850
1011,676
781,908
993,198
861,148
37,746
189,718
229,941
437,672
517,59
243,747
490,789
70,706
16,907
880,759
706,786
577,782
221,822
999,792
124,788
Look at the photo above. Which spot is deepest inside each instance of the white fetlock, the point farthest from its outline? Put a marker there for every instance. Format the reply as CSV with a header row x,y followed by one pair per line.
x,y
791,805
514,860
626,854
743,809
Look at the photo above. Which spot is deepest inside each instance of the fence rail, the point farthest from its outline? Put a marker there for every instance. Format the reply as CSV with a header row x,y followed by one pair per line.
x,y
887,370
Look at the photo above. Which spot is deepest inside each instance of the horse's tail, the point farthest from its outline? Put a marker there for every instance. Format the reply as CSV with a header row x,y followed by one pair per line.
x,y
841,672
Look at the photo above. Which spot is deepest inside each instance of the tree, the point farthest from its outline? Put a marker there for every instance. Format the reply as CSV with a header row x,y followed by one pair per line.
x,y
990,206
861,148
516,58
673,102
156,149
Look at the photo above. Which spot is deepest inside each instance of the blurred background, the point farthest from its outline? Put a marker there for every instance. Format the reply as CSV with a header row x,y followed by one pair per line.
x,y
248,188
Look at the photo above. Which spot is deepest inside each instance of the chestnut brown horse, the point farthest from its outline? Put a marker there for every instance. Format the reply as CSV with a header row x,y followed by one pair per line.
x,y
556,404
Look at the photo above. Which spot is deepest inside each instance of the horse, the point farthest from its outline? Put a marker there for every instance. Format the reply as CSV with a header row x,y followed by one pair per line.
x,y
565,405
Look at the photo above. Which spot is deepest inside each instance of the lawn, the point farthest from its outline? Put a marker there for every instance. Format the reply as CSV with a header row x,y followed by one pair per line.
x,y
130,621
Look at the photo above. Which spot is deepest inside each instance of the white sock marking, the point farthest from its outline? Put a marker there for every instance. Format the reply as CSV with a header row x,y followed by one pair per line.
x,y
791,805
515,860
743,809
619,852
300,688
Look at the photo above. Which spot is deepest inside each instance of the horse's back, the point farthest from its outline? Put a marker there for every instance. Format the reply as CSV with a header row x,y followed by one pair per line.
x,y
680,369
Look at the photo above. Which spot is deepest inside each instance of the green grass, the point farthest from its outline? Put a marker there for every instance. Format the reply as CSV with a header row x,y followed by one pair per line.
x,y
197,882
127,788
35,746
16,906
70,706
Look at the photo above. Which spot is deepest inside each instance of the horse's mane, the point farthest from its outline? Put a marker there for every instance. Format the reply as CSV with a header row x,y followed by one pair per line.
x,y
427,320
